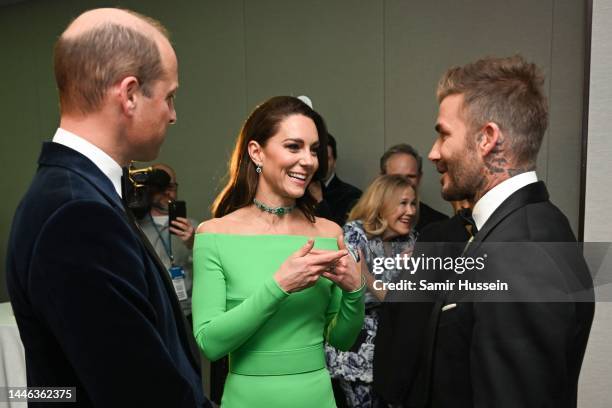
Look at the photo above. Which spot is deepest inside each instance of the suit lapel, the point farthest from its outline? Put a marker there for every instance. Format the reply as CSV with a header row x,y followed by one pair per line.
x,y
55,154
169,286
530,194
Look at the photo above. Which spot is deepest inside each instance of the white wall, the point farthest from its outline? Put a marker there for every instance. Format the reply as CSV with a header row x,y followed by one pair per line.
x,y
595,390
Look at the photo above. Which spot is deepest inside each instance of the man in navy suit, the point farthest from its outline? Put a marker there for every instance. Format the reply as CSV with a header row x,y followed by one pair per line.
x,y
95,308
524,346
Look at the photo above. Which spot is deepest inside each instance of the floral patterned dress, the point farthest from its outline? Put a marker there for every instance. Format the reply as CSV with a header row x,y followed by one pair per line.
x,y
353,368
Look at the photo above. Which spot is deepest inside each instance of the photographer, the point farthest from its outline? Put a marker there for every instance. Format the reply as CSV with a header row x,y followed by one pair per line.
x,y
172,242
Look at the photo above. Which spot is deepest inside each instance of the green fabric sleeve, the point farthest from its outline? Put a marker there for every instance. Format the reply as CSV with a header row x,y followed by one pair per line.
x,y
344,317
219,331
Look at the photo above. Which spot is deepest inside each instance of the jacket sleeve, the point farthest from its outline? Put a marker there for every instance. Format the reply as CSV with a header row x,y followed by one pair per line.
x,y
89,284
346,310
219,331
525,354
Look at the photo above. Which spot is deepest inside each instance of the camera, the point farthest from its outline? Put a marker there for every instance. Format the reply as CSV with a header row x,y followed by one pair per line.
x,y
142,184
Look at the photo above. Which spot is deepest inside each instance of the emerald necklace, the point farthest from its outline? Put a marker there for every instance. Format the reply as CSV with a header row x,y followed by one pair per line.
x,y
273,210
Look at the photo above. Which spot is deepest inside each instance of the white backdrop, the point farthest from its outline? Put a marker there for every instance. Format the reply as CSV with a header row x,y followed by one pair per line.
x,y
596,376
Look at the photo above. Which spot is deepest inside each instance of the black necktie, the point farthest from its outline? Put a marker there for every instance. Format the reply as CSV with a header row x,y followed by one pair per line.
x,y
468,220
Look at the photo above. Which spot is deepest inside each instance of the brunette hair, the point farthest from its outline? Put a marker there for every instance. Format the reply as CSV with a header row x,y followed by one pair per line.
x,y
507,91
373,204
262,124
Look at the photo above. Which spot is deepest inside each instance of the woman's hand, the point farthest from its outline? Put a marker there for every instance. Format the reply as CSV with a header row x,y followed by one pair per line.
x,y
346,273
303,268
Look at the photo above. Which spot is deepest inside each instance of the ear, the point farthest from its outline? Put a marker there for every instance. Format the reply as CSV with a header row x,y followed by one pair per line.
x,y
255,152
129,94
486,141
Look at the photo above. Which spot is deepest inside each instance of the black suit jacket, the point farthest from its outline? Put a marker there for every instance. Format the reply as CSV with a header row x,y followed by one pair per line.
x,y
403,320
93,309
427,216
341,197
515,354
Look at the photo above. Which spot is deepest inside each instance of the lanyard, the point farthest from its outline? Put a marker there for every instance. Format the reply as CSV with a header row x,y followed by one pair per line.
x,y
167,246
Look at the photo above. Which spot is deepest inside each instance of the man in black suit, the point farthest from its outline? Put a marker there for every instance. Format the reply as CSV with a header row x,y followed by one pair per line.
x,y
527,350
404,318
336,198
95,307
404,160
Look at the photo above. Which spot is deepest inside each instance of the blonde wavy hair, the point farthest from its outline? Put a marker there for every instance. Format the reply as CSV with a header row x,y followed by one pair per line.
x,y
378,200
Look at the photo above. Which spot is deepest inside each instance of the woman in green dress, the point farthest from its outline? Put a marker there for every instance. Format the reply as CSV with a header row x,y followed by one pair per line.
x,y
272,282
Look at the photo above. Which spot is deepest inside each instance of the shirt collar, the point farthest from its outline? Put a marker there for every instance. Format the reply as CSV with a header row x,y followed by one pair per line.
x,y
103,161
330,179
489,202
160,220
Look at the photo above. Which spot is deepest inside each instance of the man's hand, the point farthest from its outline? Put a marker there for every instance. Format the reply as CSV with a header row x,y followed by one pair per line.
x,y
182,228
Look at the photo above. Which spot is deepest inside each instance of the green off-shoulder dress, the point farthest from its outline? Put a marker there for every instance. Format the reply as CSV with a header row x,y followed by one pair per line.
x,y
274,339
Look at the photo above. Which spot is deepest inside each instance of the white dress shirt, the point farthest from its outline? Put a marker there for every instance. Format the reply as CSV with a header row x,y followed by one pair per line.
x,y
489,202
103,161
330,179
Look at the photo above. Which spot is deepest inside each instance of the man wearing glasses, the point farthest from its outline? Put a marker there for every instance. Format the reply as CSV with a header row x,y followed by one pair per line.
x,y
173,242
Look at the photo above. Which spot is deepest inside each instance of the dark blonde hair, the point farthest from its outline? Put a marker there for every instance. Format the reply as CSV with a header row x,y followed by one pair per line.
x,y
261,125
373,205
507,91
87,65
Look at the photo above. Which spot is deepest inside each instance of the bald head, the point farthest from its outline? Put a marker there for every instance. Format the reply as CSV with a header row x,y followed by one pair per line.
x,y
100,48
97,17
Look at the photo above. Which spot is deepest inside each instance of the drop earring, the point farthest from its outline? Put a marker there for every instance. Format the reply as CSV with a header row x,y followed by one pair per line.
x,y
258,168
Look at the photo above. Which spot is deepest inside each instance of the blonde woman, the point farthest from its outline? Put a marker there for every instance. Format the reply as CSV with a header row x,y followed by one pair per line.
x,y
380,225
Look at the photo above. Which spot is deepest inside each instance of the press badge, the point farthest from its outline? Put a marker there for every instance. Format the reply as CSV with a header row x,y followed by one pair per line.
x,y
178,280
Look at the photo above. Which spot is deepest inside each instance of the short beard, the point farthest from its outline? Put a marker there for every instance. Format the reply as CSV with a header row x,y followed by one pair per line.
x,y
159,207
466,179
457,195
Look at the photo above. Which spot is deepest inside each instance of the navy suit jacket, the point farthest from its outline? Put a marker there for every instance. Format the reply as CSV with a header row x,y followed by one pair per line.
x,y
92,306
